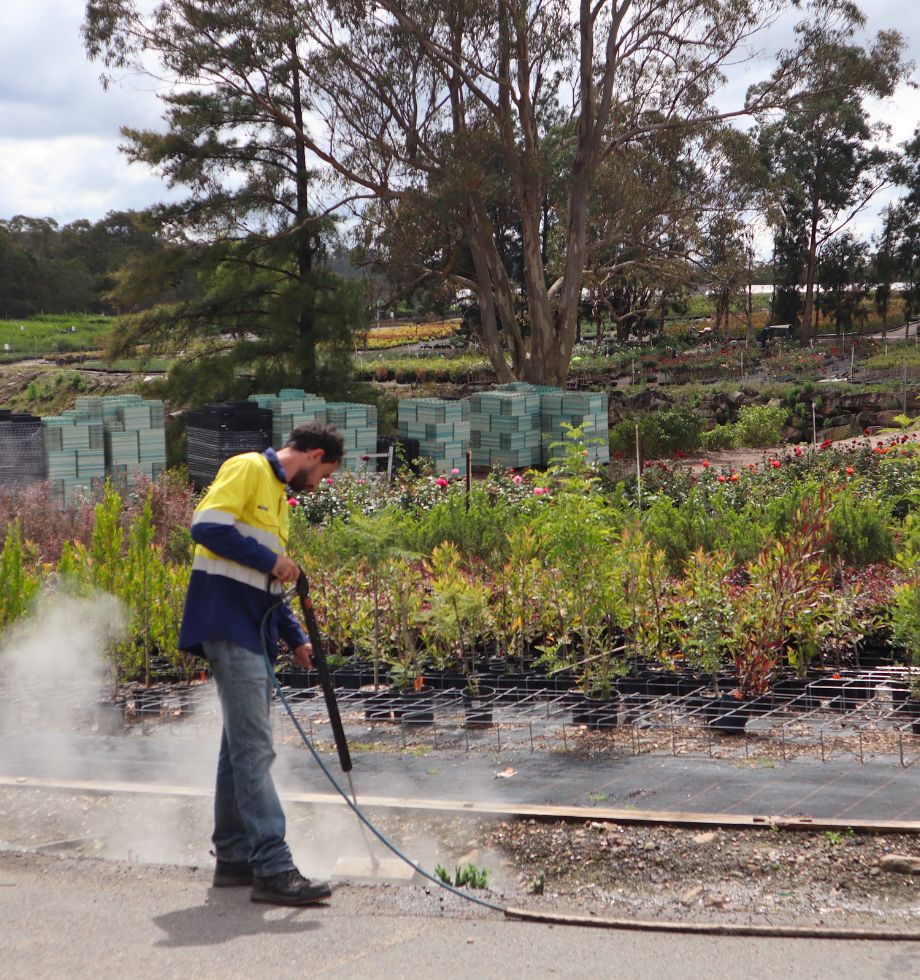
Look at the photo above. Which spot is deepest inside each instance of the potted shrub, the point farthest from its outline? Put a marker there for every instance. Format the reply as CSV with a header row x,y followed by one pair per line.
x,y
456,615
702,617
776,614
904,617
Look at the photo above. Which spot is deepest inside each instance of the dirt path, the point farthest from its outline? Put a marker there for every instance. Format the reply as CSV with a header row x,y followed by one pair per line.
x,y
739,459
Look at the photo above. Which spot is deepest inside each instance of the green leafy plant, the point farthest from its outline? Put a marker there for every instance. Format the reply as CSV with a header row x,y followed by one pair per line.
x,y
465,876
781,610
457,612
516,585
703,616
18,585
760,426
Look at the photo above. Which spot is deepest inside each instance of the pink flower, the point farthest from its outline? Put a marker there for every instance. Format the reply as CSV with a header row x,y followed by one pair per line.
x,y
517,478
329,480
798,450
455,472
292,501
538,491
441,482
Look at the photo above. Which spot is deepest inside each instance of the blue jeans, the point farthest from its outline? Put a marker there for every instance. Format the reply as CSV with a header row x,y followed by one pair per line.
x,y
248,819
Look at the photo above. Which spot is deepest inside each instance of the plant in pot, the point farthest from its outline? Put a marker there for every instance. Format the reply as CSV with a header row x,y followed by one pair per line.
x,y
644,609
904,615
701,623
457,613
576,532
370,544
514,611
401,621
786,598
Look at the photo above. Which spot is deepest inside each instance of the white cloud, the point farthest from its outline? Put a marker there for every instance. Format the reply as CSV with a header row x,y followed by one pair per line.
x,y
59,131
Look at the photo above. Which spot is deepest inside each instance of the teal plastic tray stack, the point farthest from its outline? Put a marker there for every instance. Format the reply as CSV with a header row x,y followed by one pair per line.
x,y
587,409
442,428
134,434
505,427
291,407
116,436
74,455
357,424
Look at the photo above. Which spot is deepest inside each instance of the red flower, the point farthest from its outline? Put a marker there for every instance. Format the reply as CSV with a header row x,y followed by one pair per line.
x,y
734,477
705,464
617,454
441,482
720,478
850,471
826,444
775,463
798,450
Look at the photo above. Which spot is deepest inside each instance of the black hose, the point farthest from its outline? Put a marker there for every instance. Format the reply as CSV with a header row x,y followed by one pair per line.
x,y
351,804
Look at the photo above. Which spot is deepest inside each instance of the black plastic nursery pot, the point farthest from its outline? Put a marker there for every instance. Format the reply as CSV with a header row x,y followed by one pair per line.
x,y
148,700
299,677
596,712
352,678
477,710
728,715
797,692
414,707
380,706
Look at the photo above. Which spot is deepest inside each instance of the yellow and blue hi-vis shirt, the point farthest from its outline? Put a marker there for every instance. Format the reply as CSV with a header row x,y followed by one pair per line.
x,y
239,528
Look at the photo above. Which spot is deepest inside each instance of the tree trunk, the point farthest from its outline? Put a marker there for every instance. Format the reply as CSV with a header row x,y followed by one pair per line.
x,y
810,272
306,336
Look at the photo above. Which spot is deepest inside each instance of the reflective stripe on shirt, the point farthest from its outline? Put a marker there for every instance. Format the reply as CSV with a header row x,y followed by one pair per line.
x,y
231,569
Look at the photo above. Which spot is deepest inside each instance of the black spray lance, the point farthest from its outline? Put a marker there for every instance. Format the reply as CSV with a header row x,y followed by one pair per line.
x,y
322,670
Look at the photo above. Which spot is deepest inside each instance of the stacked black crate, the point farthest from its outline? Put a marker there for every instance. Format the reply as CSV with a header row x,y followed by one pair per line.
x,y
216,432
22,449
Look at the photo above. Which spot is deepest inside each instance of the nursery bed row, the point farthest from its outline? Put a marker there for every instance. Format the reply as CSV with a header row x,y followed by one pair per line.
x,y
863,714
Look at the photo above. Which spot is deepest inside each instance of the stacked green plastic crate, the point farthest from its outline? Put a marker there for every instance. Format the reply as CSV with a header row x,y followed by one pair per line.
x,y
442,428
584,409
505,427
357,424
134,434
74,455
291,407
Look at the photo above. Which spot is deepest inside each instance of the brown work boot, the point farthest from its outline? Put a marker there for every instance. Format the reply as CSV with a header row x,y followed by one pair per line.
x,y
288,888
229,874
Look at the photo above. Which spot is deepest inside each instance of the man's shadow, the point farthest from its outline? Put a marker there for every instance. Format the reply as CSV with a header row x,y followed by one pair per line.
x,y
228,914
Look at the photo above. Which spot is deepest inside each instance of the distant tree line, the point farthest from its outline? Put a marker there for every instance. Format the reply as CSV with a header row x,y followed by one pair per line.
x,y
50,268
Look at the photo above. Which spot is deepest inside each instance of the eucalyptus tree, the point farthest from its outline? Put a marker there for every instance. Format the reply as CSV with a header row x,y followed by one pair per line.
x,y
425,98
451,121
824,153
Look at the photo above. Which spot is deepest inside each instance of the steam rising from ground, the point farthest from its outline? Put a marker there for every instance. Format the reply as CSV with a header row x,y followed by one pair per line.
x,y
55,723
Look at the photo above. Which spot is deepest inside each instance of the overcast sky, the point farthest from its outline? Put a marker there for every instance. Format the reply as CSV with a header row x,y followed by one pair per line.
x,y
59,135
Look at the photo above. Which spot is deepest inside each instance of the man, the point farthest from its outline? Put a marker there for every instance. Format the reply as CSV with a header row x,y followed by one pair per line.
x,y
234,614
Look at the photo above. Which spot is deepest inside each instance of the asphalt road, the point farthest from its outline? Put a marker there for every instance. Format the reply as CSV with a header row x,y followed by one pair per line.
x,y
89,918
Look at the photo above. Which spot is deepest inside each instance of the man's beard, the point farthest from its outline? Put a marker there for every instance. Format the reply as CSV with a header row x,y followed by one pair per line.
x,y
300,481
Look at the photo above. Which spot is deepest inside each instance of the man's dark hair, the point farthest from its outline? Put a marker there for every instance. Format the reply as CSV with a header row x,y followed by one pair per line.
x,y
317,435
